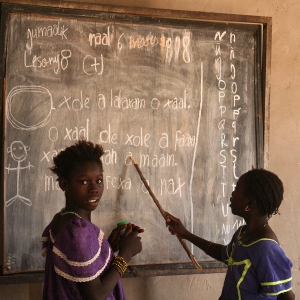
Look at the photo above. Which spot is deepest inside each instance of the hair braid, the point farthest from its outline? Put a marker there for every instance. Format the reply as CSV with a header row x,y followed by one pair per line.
x,y
266,188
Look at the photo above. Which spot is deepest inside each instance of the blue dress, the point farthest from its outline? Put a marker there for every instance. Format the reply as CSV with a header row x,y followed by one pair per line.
x,y
259,270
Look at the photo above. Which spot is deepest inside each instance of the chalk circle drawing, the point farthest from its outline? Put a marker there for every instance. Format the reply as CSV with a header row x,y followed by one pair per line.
x,y
18,152
32,103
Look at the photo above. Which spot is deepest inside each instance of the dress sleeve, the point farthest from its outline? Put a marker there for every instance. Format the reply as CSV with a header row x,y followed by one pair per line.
x,y
80,251
273,268
45,238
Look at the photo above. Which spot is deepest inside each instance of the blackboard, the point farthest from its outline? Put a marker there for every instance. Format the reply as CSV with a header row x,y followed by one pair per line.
x,y
181,92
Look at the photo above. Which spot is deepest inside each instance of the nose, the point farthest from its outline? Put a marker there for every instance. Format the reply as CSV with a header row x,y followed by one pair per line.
x,y
93,188
231,196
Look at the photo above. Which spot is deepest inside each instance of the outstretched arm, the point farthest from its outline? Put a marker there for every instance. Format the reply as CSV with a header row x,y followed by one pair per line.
x,y
177,228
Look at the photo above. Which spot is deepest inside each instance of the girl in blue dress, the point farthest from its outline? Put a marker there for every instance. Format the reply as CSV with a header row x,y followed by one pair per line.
x,y
257,265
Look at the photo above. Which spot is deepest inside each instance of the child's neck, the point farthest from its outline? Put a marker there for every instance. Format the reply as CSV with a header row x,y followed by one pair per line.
x,y
81,213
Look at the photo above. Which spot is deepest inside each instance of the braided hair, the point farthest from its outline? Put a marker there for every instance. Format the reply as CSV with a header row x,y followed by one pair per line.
x,y
81,152
266,188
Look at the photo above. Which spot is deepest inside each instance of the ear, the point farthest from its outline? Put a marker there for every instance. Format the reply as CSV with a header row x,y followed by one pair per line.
x,y
252,203
62,183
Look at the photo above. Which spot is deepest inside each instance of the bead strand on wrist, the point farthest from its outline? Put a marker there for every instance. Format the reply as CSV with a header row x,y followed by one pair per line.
x,y
210,243
118,270
120,264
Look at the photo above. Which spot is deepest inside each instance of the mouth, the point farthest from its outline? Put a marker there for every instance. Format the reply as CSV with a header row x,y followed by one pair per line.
x,y
93,201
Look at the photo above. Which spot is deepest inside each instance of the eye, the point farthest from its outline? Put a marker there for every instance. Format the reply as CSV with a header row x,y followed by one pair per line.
x,y
83,182
99,181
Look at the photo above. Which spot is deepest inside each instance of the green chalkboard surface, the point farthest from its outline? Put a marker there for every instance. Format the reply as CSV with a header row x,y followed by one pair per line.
x,y
183,95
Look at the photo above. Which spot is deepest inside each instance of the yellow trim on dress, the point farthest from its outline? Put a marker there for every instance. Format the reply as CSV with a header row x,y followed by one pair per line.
x,y
231,263
276,282
263,239
281,292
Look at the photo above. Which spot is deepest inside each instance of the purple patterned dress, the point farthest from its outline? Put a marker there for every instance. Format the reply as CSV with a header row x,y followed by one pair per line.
x,y
78,253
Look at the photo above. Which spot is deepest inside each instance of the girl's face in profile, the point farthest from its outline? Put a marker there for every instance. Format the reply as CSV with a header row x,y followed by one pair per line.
x,y
238,201
84,188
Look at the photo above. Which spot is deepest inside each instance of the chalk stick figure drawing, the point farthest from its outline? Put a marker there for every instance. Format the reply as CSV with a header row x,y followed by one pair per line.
x,y
36,103
18,152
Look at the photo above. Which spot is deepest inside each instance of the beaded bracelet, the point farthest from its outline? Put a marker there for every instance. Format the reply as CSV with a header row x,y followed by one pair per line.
x,y
120,263
208,247
117,269
118,257
120,266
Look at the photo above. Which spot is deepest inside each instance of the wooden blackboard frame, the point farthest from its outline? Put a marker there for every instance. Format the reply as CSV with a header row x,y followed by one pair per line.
x,y
91,10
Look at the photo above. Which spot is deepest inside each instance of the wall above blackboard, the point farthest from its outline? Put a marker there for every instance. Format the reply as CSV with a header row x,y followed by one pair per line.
x,y
184,93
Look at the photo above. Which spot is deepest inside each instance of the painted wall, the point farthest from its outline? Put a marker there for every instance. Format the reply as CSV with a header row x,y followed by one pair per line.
x,y
284,145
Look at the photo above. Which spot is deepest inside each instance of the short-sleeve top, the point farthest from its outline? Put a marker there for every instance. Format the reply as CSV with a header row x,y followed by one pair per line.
x,y
79,252
259,270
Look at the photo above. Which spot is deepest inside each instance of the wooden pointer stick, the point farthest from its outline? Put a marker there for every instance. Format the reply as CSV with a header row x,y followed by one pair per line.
x,y
184,245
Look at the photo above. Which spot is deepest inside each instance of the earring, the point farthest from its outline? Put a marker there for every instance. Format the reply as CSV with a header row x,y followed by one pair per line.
x,y
247,208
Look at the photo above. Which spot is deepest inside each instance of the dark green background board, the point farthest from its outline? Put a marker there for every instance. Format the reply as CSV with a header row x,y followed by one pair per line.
x,y
183,95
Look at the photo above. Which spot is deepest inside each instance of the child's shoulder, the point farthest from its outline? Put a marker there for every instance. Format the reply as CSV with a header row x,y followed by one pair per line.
x,y
70,225
78,240
77,233
78,226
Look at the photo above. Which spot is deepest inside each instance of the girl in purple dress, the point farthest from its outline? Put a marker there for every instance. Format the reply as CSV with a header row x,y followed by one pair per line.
x,y
80,261
257,265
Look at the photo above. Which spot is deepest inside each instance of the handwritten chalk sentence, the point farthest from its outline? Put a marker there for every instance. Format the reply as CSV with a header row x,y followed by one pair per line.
x,y
167,186
105,38
141,139
117,100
